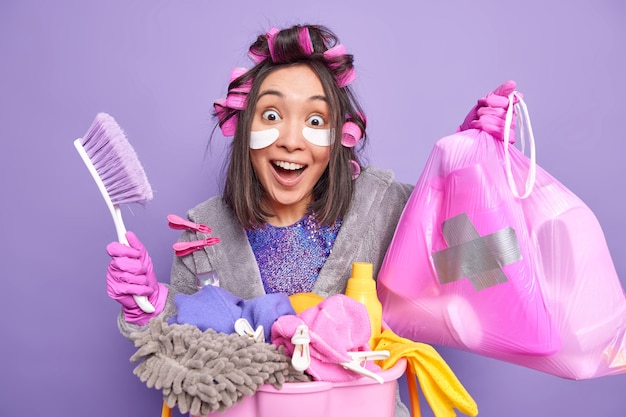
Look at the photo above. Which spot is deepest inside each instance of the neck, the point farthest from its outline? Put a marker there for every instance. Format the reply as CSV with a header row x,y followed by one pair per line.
x,y
286,215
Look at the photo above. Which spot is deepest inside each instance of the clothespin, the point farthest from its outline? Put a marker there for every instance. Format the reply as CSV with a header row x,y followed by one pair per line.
x,y
301,358
178,223
356,364
185,248
243,328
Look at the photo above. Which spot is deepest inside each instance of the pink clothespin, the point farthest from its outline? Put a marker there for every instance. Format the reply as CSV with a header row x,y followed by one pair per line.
x,y
178,223
358,359
185,248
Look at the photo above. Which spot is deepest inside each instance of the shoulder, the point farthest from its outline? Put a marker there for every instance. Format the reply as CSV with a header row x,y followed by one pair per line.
x,y
375,174
375,179
212,205
378,194
212,212
215,214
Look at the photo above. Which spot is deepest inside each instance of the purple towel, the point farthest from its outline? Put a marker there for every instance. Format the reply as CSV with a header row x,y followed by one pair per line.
x,y
209,308
218,309
265,309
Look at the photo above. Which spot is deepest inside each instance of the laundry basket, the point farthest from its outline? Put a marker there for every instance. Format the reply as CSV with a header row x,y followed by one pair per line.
x,y
362,397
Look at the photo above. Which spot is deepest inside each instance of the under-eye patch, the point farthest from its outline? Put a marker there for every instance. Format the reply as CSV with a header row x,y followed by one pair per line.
x,y
260,139
320,137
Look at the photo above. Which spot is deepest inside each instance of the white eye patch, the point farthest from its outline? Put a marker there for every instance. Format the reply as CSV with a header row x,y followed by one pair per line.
x,y
260,139
319,137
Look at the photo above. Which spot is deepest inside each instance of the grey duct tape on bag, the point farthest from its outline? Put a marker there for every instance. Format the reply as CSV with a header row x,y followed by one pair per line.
x,y
479,258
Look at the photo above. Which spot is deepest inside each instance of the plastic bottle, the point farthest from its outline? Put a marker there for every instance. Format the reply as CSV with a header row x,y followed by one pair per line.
x,y
362,287
207,278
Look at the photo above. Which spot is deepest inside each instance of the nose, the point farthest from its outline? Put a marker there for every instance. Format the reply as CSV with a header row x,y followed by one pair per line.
x,y
290,136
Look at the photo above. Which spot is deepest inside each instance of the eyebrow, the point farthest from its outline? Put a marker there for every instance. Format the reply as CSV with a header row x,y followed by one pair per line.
x,y
277,93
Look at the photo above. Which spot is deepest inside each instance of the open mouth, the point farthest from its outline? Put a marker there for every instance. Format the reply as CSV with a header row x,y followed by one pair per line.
x,y
288,170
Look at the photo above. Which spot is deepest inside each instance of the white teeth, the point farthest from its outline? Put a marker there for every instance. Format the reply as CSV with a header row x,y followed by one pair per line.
x,y
288,165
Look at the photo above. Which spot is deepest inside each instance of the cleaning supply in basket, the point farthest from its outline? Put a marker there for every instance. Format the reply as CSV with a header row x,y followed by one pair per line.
x,y
300,301
216,308
440,386
205,371
362,288
336,326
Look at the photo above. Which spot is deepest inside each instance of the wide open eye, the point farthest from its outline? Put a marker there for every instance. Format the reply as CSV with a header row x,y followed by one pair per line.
x,y
315,121
271,115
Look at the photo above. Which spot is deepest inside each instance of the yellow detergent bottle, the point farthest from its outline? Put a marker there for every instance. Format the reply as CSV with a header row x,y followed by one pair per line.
x,y
362,287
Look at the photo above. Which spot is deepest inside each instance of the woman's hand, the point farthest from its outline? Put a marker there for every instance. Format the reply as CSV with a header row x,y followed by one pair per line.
x,y
131,273
489,113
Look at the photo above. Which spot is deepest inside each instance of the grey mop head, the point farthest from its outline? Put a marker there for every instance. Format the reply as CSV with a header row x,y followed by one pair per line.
x,y
202,372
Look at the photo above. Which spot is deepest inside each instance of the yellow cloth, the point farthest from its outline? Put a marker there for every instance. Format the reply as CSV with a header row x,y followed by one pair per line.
x,y
440,386
302,300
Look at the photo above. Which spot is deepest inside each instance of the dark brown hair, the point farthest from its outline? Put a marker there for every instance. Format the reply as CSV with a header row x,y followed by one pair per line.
x,y
332,194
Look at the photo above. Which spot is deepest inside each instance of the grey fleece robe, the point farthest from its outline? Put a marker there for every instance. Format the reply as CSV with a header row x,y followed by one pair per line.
x,y
365,234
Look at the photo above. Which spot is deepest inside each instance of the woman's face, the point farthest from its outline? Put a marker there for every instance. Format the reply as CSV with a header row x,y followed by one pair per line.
x,y
290,140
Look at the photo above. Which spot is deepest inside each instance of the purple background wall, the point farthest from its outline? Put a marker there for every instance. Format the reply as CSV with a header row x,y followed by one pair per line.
x,y
156,66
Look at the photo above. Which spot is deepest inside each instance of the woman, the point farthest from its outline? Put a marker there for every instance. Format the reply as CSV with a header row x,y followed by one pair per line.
x,y
298,206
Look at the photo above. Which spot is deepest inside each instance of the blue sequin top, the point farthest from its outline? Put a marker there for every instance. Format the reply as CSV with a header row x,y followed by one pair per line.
x,y
291,257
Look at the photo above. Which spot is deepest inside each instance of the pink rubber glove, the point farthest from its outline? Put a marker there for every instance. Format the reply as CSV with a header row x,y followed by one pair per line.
x,y
130,272
489,113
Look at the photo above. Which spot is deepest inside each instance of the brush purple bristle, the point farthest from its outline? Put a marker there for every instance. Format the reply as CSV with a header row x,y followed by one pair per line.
x,y
116,162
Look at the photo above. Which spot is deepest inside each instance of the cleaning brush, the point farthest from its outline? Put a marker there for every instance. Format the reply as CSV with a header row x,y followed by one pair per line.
x,y
115,168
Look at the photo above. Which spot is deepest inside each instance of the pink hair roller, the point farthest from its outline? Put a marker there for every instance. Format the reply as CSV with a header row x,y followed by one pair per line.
x,y
271,36
304,39
350,134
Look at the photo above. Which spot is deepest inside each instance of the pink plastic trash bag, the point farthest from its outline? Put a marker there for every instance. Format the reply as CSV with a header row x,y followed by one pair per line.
x,y
523,278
